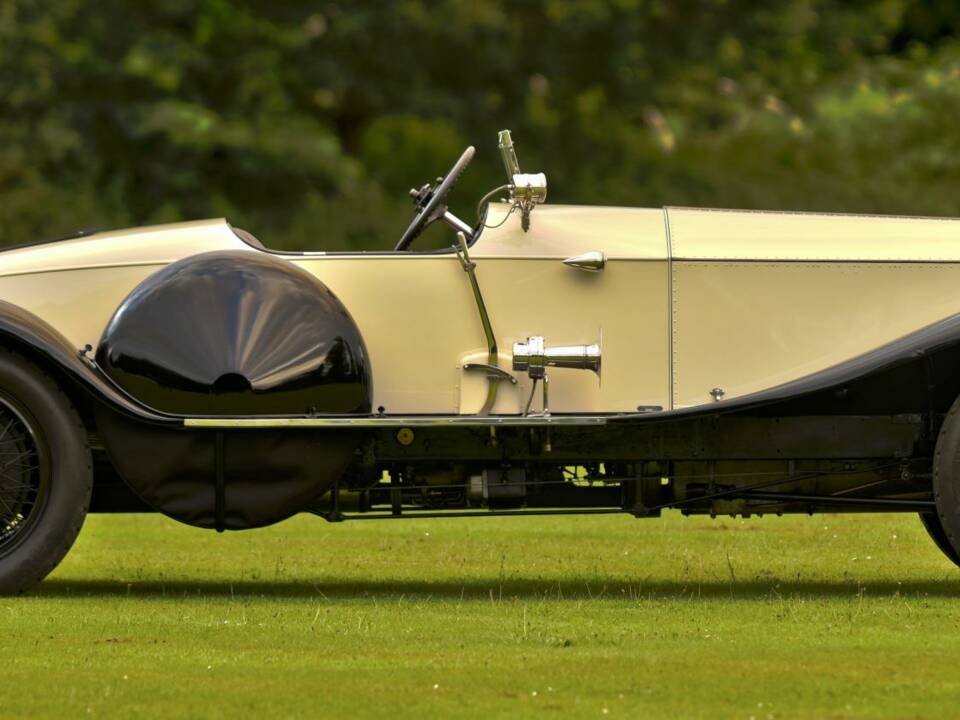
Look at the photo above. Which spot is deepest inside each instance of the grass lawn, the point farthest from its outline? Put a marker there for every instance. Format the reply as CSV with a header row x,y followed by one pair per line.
x,y
829,616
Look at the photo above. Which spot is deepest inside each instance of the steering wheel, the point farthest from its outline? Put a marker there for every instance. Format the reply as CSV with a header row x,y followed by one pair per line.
x,y
430,201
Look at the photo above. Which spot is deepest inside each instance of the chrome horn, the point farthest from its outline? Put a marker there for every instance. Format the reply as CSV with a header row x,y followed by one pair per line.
x,y
535,357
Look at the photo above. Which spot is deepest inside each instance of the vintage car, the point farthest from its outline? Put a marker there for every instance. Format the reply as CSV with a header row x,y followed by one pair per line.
x,y
555,359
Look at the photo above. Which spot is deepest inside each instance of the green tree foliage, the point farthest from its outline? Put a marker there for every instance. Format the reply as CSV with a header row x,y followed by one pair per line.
x,y
306,122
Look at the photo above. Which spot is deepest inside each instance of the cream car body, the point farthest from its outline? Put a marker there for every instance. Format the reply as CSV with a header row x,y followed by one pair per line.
x,y
555,359
690,300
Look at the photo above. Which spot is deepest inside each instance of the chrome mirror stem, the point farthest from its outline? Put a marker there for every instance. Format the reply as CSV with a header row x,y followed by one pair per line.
x,y
508,154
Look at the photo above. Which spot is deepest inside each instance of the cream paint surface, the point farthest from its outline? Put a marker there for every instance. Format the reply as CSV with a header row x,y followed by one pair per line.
x,y
418,318
560,231
78,303
416,312
739,325
749,326
152,245
756,235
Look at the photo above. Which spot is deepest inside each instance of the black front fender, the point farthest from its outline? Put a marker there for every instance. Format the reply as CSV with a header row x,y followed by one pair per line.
x,y
23,331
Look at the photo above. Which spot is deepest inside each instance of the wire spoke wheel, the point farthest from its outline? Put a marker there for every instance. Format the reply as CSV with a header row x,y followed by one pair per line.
x,y
46,473
24,475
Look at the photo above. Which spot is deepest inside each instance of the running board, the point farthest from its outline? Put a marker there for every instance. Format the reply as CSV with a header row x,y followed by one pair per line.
x,y
375,421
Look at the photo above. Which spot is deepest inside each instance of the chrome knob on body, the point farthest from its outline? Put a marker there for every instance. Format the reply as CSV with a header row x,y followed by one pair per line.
x,y
593,261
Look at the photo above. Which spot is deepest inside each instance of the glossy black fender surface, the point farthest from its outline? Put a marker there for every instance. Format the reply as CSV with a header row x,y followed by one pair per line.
x,y
237,333
232,333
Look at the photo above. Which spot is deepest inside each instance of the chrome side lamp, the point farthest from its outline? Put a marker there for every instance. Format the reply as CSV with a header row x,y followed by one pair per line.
x,y
527,190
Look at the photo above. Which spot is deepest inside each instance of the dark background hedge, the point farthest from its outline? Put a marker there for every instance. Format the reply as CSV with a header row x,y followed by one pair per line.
x,y
306,122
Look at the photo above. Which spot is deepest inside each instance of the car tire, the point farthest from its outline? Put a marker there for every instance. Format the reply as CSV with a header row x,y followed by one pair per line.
x,y
946,480
46,474
933,526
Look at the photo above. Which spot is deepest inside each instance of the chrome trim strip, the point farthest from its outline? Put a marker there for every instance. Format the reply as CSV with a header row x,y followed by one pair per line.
x,y
394,421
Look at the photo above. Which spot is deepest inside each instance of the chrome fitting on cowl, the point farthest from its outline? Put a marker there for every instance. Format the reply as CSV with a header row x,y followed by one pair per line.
x,y
534,357
527,190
